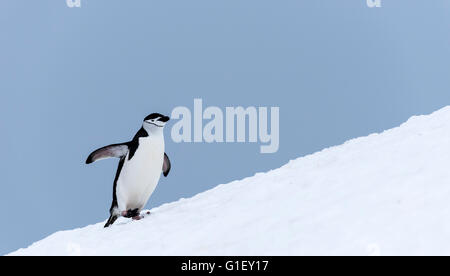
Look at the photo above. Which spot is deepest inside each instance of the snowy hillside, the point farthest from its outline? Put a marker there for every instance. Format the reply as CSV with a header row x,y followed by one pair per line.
x,y
385,194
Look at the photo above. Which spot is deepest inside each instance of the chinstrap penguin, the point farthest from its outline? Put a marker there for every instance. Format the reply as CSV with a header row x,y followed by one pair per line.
x,y
141,162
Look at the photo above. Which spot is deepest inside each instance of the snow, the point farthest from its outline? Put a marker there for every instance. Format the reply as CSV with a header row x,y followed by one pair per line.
x,y
385,194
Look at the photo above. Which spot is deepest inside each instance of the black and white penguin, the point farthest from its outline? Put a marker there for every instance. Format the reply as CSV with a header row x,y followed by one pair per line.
x,y
141,162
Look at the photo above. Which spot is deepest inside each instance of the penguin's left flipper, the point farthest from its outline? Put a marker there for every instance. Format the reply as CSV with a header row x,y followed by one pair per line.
x,y
115,150
166,165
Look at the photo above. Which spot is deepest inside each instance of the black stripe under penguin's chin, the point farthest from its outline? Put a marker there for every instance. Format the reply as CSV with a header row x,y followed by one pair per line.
x,y
154,124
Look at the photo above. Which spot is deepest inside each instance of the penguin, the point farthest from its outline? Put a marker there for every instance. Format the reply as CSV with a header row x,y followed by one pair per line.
x,y
141,162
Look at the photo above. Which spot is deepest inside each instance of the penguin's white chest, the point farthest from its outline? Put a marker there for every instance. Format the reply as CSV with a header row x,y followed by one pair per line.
x,y
140,175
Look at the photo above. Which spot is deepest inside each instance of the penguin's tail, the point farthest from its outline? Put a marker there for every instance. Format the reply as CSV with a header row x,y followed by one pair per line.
x,y
111,220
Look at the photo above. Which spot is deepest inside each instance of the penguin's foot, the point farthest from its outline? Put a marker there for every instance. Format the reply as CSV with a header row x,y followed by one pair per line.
x,y
130,213
137,218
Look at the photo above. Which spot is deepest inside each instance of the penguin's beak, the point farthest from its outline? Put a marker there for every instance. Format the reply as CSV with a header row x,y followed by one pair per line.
x,y
164,119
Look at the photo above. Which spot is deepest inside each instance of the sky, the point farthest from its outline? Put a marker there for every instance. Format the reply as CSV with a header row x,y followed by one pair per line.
x,y
75,79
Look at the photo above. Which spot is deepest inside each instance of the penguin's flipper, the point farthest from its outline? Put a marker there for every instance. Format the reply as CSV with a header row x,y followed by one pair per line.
x,y
115,150
166,165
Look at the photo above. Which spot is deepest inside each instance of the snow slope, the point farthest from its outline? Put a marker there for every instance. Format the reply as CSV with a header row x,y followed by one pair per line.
x,y
385,194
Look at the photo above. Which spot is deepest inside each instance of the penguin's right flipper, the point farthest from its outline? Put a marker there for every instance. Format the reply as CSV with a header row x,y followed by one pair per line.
x,y
110,221
115,150
166,165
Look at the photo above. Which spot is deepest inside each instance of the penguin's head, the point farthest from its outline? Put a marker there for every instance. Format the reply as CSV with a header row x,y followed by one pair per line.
x,y
155,120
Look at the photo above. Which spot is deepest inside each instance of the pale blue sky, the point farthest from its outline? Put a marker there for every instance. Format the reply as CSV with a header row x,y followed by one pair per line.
x,y
72,80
